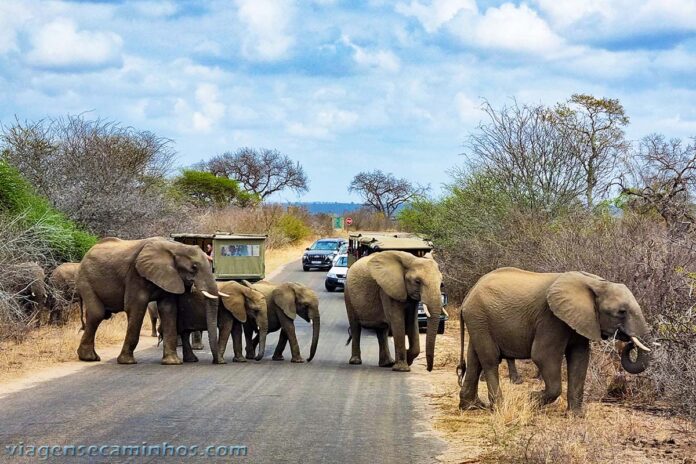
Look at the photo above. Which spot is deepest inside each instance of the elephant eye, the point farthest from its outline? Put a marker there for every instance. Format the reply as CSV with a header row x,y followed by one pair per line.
x,y
194,267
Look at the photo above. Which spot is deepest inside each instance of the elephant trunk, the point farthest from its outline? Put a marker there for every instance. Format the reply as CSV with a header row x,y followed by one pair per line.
x,y
316,325
434,307
206,283
262,322
640,364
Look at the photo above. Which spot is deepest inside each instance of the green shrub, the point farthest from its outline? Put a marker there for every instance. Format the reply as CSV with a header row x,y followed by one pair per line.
x,y
65,240
294,228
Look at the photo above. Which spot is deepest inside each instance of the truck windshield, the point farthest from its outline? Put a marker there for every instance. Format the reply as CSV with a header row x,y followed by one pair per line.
x,y
342,262
325,246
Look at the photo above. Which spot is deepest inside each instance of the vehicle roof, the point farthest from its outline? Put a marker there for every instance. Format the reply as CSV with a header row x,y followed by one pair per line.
x,y
392,240
336,239
223,235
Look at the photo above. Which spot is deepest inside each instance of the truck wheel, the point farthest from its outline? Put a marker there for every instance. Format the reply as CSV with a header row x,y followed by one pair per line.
x,y
305,268
330,288
441,327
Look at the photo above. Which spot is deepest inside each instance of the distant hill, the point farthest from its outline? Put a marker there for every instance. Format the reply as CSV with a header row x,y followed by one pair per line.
x,y
317,207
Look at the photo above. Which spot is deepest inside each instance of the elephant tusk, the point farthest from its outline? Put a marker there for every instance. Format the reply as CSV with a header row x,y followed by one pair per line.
x,y
639,344
223,294
425,308
445,312
209,295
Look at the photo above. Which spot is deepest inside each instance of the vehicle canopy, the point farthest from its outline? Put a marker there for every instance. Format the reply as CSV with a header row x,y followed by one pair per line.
x,y
364,243
235,256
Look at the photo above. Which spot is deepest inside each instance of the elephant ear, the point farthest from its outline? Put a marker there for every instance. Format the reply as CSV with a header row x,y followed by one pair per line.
x,y
155,262
571,299
388,269
234,302
284,297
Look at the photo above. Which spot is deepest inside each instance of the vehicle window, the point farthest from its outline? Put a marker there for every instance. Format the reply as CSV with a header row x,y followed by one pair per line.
x,y
342,261
324,246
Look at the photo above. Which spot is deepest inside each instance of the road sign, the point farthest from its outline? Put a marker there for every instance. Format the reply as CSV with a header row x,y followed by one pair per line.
x,y
349,221
338,222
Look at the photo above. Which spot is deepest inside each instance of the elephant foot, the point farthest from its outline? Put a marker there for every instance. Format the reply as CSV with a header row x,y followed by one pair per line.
x,y
387,363
191,359
88,355
126,358
172,360
278,357
219,360
258,357
410,357
355,360
477,404
239,359
297,359
249,355
401,367
577,411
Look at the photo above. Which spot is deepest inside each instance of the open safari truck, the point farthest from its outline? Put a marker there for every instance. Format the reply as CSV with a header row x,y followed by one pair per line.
x,y
235,256
365,243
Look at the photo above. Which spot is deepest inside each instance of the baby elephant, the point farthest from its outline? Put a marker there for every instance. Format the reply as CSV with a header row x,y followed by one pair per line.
x,y
242,305
516,314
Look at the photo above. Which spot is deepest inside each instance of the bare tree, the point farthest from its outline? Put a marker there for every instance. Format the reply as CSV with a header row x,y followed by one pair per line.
x,y
661,177
595,129
263,172
385,192
528,156
107,177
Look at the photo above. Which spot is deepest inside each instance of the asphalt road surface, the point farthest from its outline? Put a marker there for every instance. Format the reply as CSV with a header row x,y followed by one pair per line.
x,y
323,411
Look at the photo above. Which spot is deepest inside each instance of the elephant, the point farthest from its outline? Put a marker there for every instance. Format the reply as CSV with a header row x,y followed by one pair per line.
x,y
382,292
196,336
63,292
512,372
515,314
285,302
125,275
243,304
29,286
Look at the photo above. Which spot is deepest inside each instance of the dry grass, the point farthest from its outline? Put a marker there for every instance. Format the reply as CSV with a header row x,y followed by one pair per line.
x,y
48,345
518,432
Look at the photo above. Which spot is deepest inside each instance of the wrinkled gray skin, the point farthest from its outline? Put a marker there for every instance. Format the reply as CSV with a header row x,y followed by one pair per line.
x,y
285,302
240,306
124,275
512,372
64,292
196,336
382,293
516,314
30,285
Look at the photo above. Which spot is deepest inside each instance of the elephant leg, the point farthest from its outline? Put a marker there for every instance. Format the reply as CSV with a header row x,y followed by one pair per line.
x,y
385,359
189,355
94,315
226,323
549,364
280,347
152,312
197,340
249,339
578,358
237,342
136,307
412,334
167,308
289,328
512,371
355,330
468,395
395,312
489,358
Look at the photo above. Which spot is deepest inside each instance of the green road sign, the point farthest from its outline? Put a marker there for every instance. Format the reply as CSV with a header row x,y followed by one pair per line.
x,y
338,223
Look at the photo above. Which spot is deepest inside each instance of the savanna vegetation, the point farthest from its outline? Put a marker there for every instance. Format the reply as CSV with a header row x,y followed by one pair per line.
x,y
559,188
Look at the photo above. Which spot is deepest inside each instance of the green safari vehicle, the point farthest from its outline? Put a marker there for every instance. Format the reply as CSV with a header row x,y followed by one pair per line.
x,y
365,243
235,256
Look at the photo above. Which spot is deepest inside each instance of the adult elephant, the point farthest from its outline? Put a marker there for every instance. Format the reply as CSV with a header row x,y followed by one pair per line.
x,y
196,336
382,292
285,302
63,292
516,314
28,285
242,304
124,275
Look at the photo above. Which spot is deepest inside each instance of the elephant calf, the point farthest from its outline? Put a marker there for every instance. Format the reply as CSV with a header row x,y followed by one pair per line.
x,y
64,293
516,314
241,305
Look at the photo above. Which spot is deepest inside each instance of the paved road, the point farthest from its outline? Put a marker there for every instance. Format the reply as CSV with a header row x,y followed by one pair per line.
x,y
323,411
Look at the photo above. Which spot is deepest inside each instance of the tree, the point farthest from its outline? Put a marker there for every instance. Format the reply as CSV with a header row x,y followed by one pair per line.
x,y
661,177
522,151
262,172
104,176
384,192
595,128
206,189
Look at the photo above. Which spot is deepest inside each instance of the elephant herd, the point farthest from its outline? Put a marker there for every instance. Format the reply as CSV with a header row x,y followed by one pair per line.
x,y
508,314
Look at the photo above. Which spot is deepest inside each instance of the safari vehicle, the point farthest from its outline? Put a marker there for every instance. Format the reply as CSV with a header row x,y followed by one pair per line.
x,y
235,256
365,243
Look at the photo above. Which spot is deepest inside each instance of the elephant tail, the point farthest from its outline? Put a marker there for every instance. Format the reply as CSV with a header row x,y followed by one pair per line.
x,y
82,316
350,337
461,368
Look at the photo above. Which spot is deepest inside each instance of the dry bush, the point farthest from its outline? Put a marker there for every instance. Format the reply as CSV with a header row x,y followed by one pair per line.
x,y
369,219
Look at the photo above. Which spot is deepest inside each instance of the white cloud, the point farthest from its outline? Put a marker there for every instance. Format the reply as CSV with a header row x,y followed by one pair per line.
x,y
380,59
468,110
324,123
267,24
12,16
437,13
59,45
211,110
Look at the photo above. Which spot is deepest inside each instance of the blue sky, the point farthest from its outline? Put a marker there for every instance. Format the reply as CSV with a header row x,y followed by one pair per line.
x,y
342,86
